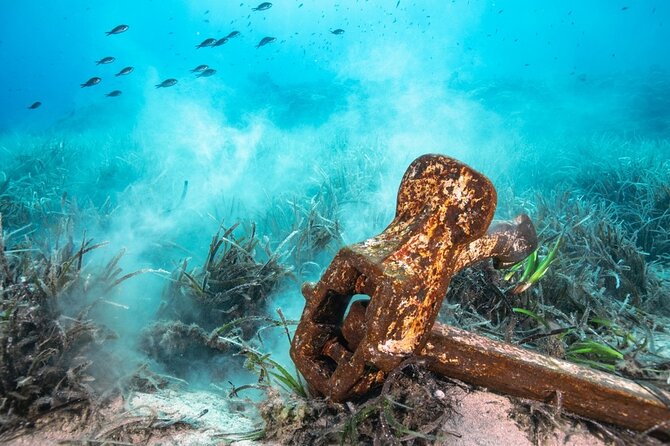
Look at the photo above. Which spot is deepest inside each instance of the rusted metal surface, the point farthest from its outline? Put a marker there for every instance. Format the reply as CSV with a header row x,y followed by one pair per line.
x,y
512,370
515,371
441,226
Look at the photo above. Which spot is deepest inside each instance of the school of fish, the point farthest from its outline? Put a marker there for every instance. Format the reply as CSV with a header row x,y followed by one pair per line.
x,y
199,71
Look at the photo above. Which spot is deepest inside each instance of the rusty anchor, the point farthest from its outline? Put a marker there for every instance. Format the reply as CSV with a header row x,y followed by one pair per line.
x,y
441,225
443,211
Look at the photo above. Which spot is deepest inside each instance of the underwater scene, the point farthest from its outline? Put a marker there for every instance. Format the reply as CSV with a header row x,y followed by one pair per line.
x,y
402,222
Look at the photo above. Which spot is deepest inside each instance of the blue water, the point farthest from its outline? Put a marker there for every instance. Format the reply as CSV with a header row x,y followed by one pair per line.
x,y
521,90
560,48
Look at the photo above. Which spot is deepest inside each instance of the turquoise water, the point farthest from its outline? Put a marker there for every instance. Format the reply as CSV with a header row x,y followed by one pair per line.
x,y
532,94
391,56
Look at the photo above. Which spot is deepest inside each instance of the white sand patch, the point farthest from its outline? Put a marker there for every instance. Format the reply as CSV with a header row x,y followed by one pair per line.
x,y
485,421
210,415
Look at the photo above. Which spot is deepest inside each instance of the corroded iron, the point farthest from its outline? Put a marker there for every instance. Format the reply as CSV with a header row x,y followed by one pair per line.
x,y
441,226
512,370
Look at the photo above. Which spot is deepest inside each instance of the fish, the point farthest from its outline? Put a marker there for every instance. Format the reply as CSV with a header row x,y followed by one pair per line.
x,y
337,32
118,30
199,68
35,105
265,40
262,7
220,42
105,60
113,94
233,34
207,73
206,42
167,83
91,82
123,72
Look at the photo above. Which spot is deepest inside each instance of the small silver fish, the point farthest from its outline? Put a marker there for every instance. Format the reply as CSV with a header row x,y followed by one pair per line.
x,y
91,82
262,7
105,60
265,40
123,72
167,83
337,32
199,68
206,42
220,42
233,34
118,30
113,94
35,105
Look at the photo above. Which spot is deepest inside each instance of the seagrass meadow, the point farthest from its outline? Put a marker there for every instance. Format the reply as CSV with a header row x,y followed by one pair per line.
x,y
172,172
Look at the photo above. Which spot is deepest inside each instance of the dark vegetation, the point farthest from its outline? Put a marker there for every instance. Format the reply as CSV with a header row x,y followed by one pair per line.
x,y
606,295
233,286
609,288
48,340
637,193
50,343
235,281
